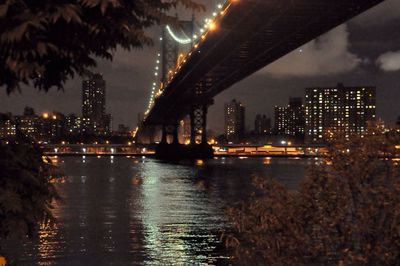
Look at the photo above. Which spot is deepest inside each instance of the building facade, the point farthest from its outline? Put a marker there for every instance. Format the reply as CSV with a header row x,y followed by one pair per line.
x,y
338,110
8,126
50,126
290,120
72,125
234,121
262,125
28,124
94,117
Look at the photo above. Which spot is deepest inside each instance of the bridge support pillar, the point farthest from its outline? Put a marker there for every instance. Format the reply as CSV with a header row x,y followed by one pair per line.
x,y
164,134
204,125
175,138
177,151
198,123
192,128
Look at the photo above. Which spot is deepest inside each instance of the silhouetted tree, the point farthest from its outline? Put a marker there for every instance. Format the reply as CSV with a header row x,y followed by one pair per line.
x,y
346,211
26,191
43,43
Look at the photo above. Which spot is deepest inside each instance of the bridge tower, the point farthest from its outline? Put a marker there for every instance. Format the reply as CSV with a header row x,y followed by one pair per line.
x,y
172,47
169,55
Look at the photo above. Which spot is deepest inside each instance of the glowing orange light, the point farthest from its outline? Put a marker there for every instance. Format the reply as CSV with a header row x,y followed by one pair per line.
x,y
212,26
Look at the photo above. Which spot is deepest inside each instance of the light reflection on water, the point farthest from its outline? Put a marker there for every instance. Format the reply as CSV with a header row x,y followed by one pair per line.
x,y
138,211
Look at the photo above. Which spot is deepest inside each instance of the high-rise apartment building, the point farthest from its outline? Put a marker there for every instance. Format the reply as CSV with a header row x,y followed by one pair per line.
x,y
338,110
28,124
262,125
289,120
50,126
94,118
8,126
73,124
234,121
44,128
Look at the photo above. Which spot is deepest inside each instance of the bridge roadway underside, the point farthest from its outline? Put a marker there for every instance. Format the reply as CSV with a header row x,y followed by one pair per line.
x,y
251,35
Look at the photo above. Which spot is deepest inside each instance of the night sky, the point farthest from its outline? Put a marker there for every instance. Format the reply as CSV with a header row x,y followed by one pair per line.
x,y
364,51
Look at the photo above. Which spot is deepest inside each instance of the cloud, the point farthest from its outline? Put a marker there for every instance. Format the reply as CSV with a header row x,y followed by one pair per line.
x,y
326,55
385,12
389,61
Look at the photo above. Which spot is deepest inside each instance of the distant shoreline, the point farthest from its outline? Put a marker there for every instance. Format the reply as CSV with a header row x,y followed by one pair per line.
x,y
152,155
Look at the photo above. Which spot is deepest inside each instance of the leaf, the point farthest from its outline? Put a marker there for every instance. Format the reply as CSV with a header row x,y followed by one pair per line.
x,y
71,13
3,9
15,34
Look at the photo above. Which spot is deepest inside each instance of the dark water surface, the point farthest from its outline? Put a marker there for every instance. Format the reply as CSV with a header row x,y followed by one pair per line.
x,y
139,211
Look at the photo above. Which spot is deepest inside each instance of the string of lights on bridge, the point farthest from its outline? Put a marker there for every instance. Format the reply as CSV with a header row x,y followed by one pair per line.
x,y
210,24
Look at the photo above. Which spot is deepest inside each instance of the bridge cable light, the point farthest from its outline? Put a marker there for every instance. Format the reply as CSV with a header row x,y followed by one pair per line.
x,y
176,38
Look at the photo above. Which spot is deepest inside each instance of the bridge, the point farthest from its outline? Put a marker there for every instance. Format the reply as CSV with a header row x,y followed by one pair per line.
x,y
243,37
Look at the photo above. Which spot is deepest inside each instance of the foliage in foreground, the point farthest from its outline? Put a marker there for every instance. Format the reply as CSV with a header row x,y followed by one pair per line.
x,y
26,190
43,43
346,212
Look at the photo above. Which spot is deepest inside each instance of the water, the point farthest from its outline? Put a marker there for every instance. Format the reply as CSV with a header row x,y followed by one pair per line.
x,y
139,211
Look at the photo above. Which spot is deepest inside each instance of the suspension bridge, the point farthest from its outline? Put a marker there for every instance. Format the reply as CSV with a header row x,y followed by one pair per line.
x,y
242,37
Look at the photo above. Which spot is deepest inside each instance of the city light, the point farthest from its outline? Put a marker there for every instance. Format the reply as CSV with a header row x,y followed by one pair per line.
x,y
212,26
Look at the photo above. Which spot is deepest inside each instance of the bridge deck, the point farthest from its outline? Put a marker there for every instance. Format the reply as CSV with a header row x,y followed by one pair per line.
x,y
250,35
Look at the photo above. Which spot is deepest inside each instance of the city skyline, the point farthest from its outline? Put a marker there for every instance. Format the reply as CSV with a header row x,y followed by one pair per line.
x,y
362,45
281,117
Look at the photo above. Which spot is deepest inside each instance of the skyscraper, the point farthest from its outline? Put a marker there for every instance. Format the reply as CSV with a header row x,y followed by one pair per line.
x,y
289,120
234,121
344,110
94,115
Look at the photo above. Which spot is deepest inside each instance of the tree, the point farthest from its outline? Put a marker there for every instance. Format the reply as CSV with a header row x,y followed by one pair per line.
x,y
26,189
43,43
346,211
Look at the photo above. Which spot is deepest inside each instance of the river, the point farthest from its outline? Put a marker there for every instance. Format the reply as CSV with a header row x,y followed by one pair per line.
x,y
140,211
